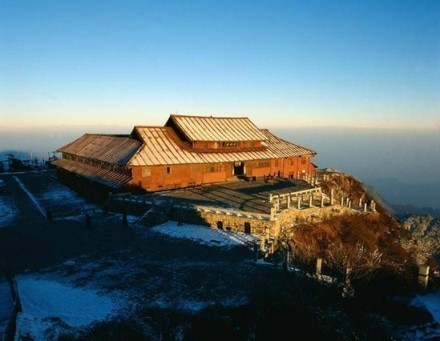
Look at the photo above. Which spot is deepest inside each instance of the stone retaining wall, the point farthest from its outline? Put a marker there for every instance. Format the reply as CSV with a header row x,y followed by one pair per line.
x,y
258,225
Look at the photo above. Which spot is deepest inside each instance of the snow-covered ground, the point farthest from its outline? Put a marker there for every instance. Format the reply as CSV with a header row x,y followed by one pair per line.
x,y
58,193
47,305
5,305
59,197
431,302
56,197
30,195
8,210
54,303
205,235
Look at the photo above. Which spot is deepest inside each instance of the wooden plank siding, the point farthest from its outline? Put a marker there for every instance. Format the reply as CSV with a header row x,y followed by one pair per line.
x,y
166,177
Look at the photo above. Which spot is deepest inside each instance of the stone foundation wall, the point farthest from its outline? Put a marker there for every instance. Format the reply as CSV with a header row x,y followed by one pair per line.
x,y
258,227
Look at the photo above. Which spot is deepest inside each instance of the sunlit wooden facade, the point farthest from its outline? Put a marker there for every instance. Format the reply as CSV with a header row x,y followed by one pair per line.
x,y
187,151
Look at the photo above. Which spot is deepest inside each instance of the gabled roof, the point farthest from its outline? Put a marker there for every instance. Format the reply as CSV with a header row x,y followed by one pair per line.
x,y
97,174
162,146
116,149
225,129
282,148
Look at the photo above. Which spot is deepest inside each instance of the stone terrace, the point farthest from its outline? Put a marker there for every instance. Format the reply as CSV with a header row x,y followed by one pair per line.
x,y
239,195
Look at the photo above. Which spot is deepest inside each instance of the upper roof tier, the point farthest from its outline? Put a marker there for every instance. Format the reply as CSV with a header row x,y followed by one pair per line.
x,y
161,146
223,129
149,146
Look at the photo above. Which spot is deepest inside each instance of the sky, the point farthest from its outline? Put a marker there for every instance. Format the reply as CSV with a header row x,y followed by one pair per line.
x,y
362,64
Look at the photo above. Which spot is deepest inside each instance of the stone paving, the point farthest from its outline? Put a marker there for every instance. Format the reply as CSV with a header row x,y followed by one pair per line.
x,y
241,194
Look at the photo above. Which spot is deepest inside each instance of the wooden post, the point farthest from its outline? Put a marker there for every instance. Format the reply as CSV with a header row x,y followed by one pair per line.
x,y
299,202
347,276
311,200
318,268
256,251
287,261
272,213
263,244
342,201
360,202
365,207
347,289
331,197
423,276
322,200
288,201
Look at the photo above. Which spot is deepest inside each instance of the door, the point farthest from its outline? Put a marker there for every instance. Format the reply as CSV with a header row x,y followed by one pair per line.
x,y
247,228
238,168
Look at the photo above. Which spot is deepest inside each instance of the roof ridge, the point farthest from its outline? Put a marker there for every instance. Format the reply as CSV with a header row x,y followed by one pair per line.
x,y
142,126
112,135
213,117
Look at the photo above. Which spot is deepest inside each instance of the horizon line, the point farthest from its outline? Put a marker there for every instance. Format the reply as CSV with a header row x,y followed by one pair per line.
x,y
8,128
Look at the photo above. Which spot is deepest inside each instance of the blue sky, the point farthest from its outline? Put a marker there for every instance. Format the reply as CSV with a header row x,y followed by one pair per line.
x,y
282,63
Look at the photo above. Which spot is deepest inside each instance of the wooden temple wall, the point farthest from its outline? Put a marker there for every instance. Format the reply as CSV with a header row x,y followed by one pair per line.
x,y
159,178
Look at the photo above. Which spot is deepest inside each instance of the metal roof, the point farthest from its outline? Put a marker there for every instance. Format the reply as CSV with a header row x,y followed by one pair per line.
x,y
116,149
282,148
225,129
103,176
162,146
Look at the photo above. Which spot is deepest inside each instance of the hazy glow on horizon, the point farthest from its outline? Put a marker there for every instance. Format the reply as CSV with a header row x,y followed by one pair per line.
x,y
283,63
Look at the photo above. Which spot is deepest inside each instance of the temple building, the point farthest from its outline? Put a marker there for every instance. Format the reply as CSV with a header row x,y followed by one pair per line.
x,y
187,151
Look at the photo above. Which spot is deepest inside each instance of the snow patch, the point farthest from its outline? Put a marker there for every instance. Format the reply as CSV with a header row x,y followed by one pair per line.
x,y
8,211
431,302
205,235
5,305
61,194
47,304
31,196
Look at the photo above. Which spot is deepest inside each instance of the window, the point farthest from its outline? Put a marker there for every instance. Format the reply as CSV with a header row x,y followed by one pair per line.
x,y
229,144
303,161
168,170
262,164
213,168
146,171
